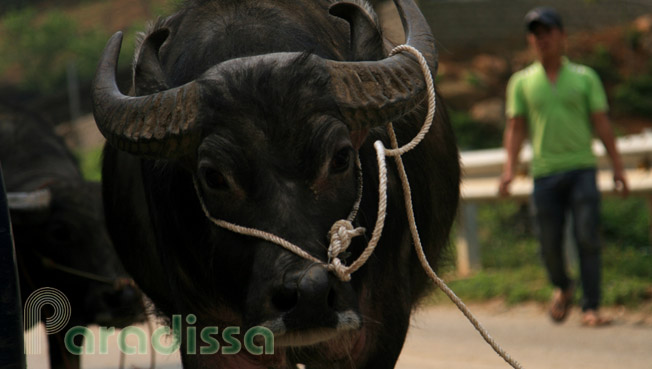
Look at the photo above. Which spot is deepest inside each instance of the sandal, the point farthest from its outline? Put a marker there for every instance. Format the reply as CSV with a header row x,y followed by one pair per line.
x,y
561,303
591,318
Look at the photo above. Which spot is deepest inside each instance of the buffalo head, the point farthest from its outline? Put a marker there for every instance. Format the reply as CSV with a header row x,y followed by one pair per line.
x,y
267,135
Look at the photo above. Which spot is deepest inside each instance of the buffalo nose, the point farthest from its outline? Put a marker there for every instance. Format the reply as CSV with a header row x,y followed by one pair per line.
x,y
308,291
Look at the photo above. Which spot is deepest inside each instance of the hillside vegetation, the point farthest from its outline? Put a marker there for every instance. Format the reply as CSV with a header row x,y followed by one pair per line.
x,y
474,85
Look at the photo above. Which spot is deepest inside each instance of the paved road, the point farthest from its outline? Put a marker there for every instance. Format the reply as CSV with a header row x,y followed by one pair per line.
x,y
441,338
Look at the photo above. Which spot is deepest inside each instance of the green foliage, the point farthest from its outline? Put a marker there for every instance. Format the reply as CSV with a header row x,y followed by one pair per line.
x,y
176,5
634,96
516,246
630,95
162,9
602,61
41,47
513,285
633,38
472,135
629,262
512,269
473,79
626,222
90,162
628,291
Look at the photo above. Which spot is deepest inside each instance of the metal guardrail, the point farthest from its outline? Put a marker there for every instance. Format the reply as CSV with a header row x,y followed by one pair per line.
x,y
481,178
482,169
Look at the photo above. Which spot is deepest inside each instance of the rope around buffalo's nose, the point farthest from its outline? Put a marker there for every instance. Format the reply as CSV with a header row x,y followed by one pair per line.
x,y
342,232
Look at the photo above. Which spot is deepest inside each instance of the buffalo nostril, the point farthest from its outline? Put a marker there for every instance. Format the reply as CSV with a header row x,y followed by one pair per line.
x,y
285,299
331,298
111,299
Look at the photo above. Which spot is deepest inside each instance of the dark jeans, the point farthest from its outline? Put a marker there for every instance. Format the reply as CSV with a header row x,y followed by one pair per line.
x,y
553,196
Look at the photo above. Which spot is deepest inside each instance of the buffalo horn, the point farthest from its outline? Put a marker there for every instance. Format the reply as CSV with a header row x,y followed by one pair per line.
x,y
375,92
157,125
166,123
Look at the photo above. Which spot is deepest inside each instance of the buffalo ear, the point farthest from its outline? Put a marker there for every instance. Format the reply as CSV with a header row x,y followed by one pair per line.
x,y
148,73
366,37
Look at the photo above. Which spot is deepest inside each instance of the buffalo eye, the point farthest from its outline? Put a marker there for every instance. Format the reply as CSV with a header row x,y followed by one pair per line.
x,y
341,160
214,178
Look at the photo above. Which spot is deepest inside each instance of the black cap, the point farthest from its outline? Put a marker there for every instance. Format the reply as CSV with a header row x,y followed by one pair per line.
x,y
546,16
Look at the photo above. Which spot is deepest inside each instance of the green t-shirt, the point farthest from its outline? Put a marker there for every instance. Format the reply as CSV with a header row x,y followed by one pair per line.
x,y
558,115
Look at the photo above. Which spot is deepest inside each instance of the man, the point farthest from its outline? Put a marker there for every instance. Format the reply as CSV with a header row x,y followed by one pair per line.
x,y
560,104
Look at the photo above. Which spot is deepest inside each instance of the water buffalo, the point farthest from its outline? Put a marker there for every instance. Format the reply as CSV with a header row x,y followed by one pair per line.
x,y
260,108
59,230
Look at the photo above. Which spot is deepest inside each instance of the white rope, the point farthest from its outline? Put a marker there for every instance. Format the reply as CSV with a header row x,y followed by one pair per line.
x,y
432,101
407,192
342,231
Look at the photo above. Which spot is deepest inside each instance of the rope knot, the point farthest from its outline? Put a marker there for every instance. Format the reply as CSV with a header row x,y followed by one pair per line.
x,y
341,234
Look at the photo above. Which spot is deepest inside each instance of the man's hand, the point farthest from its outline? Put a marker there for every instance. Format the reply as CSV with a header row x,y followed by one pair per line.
x,y
505,181
513,138
620,183
602,126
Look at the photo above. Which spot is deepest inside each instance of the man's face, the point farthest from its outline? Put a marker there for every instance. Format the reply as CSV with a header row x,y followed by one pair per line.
x,y
547,42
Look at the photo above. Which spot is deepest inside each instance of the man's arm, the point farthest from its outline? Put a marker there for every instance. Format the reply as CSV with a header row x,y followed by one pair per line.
x,y
515,134
602,127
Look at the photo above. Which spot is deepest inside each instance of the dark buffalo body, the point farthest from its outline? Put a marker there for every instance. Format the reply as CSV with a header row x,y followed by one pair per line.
x,y
61,224
266,104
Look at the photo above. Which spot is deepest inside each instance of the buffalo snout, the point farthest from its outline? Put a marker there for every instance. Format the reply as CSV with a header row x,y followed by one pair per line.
x,y
306,306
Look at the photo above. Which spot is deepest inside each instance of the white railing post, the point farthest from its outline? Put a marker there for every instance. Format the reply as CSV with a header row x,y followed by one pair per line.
x,y
468,248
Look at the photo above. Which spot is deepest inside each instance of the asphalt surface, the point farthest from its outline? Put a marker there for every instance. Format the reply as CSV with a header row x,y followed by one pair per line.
x,y
441,338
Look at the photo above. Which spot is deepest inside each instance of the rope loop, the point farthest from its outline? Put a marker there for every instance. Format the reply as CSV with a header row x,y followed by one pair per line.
x,y
340,270
432,102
